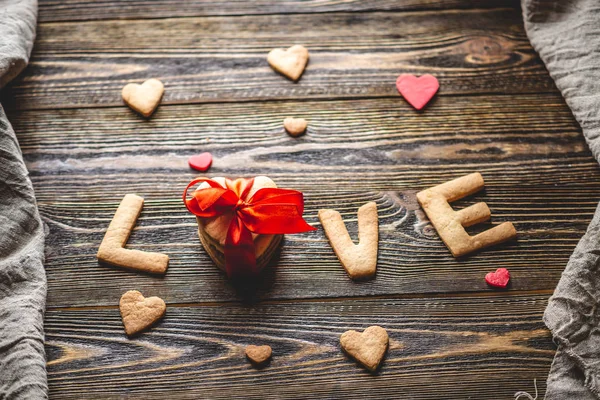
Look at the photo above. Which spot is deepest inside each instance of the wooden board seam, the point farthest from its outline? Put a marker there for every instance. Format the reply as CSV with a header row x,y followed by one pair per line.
x,y
405,296
417,10
267,100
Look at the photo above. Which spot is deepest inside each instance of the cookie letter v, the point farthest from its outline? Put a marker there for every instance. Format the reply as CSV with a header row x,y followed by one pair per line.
x,y
359,260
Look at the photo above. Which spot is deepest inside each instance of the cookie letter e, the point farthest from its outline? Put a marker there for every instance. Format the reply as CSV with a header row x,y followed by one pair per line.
x,y
451,224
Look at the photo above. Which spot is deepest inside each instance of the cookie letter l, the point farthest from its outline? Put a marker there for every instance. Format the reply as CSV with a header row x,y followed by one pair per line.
x,y
360,260
451,224
112,249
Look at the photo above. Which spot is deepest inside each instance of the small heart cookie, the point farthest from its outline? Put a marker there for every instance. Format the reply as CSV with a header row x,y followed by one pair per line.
x,y
143,98
368,347
295,126
499,278
200,162
258,354
290,62
417,91
139,312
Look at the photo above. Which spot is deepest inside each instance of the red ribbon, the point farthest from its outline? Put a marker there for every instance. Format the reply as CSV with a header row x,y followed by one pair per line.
x,y
270,211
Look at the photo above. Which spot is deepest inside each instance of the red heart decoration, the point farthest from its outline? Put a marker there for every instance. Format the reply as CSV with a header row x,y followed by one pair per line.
x,y
499,278
200,162
417,91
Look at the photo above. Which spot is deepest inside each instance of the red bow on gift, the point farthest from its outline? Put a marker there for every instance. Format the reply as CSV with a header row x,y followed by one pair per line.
x,y
270,211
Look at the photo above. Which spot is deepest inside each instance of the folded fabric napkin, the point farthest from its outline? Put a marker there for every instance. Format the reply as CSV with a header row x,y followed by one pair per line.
x,y
566,34
22,276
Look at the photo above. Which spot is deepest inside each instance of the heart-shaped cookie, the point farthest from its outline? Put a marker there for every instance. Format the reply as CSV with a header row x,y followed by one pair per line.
x,y
258,355
143,98
200,162
139,312
368,347
499,278
295,126
417,91
290,62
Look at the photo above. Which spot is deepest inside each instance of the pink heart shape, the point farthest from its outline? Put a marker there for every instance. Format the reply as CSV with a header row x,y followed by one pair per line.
x,y
200,162
417,91
499,278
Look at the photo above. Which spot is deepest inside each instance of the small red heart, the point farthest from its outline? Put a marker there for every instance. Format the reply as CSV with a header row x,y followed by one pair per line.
x,y
200,162
499,278
417,91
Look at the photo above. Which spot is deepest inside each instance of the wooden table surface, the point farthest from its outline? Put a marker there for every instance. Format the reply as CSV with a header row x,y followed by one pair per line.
x,y
452,337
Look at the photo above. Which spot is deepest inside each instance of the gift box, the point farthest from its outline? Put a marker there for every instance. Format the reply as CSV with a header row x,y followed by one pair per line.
x,y
241,222
213,231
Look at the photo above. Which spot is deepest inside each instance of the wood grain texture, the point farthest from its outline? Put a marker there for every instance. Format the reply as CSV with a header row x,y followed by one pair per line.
x,y
483,347
411,259
498,112
538,170
216,59
85,10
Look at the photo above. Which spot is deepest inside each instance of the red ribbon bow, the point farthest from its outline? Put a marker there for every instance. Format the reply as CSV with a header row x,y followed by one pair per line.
x,y
270,211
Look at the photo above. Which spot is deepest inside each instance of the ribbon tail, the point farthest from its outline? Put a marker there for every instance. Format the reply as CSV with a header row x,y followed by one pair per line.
x,y
273,219
240,256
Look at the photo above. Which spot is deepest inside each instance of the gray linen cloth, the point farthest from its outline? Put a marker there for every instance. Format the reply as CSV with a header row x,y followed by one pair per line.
x,y
566,34
22,275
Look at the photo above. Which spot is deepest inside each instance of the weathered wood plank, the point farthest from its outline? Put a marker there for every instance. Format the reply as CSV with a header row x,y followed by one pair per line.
x,y
412,259
539,173
484,347
85,10
224,58
351,133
